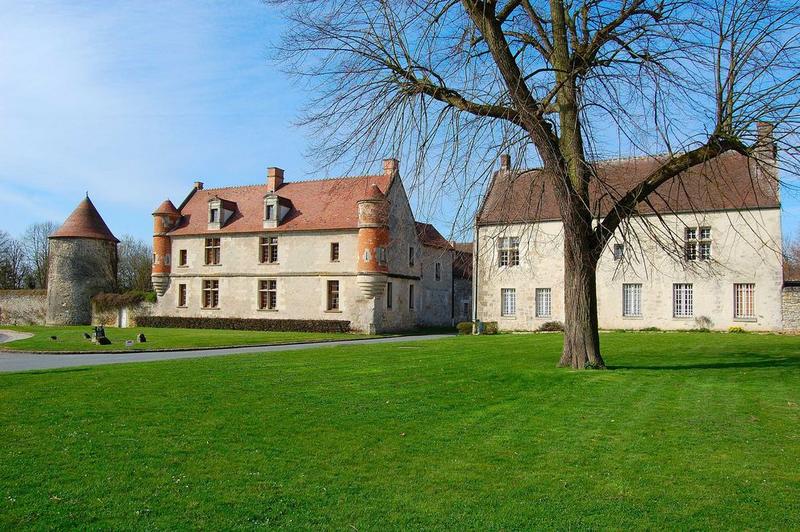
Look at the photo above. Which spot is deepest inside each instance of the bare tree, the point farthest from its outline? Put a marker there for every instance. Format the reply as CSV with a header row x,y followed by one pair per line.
x,y
37,251
135,264
451,82
13,266
791,259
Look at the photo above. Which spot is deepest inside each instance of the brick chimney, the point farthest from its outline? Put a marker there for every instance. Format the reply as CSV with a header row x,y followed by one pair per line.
x,y
764,165
766,147
505,162
198,185
274,178
391,167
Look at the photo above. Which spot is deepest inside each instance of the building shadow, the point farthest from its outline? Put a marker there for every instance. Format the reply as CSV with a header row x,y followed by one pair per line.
x,y
758,363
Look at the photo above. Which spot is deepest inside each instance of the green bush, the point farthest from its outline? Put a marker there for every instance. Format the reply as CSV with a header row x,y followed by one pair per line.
x,y
650,329
736,330
552,326
105,301
245,324
465,327
490,327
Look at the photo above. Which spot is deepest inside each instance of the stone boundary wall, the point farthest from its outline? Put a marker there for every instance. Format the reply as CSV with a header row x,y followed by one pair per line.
x,y
790,304
23,307
111,317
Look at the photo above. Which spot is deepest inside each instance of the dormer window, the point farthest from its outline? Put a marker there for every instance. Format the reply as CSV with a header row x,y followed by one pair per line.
x,y
270,213
219,212
213,216
275,208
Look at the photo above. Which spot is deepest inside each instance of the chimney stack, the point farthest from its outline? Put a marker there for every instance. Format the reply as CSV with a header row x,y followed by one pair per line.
x,y
505,162
766,146
391,167
198,185
274,178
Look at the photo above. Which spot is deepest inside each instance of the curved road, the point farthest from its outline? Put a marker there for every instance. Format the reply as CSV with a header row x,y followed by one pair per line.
x,y
10,362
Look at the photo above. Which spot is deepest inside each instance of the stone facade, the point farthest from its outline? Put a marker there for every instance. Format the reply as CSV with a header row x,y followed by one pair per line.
x,y
80,268
791,306
305,264
745,250
23,307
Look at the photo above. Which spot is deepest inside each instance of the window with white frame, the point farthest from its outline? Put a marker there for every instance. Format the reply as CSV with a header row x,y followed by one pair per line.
x,y
213,254
544,303
268,249
632,300
682,300
508,251
508,302
744,301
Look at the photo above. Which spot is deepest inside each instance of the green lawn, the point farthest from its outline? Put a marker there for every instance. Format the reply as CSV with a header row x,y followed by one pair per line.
x,y
689,430
71,338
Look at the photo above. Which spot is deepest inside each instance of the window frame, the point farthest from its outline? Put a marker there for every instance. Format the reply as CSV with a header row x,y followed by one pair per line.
x,y
618,251
213,251
412,303
389,295
267,294
268,250
333,301
412,256
738,300
210,294
437,271
686,291
183,292
631,292
508,302
334,252
508,252
543,295
183,258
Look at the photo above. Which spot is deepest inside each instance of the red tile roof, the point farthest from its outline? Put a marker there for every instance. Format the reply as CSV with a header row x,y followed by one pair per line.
x,y
429,236
316,205
727,182
85,222
166,208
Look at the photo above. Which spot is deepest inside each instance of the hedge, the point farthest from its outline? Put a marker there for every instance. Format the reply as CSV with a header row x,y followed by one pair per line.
x,y
245,324
104,301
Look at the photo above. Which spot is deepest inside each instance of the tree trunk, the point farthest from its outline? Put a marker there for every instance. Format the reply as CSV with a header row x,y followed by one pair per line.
x,y
581,339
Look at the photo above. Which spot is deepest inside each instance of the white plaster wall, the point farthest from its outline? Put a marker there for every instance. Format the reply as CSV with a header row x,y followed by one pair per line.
x,y
746,248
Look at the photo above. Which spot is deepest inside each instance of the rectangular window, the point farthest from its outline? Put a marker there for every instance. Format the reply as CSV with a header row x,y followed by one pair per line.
x,y
508,251
697,248
411,256
691,233
181,295
744,301
704,251
619,251
269,249
269,212
632,300
334,252
544,302
705,233
508,302
437,273
682,300
183,258
389,295
411,296
268,294
333,295
380,254
211,293
212,251
213,215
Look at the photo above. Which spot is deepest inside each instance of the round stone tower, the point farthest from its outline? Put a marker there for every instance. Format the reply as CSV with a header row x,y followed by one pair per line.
x,y
165,218
373,240
83,263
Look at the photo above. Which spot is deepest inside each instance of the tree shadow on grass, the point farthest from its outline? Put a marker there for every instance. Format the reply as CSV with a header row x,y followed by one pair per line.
x,y
756,363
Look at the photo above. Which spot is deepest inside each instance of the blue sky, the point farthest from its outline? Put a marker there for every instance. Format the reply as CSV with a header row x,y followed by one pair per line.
x,y
134,101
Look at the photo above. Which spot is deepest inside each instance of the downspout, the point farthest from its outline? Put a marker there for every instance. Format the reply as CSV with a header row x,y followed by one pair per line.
x,y
476,249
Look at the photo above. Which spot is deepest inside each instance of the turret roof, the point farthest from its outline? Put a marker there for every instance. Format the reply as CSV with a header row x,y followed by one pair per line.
x,y
85,222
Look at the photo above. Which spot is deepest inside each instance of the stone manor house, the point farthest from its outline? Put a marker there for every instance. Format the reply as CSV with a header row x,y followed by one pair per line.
x,y
334,249
705,251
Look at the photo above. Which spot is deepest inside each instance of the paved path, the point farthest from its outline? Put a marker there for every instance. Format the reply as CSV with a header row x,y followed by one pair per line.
x,y
30,361
10,336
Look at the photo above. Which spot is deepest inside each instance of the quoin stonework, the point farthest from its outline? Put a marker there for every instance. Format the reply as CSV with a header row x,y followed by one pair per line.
x,y
83,263
346,249
704,251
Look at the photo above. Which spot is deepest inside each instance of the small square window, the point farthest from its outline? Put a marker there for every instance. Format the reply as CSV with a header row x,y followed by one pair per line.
x,y
705,233
691,233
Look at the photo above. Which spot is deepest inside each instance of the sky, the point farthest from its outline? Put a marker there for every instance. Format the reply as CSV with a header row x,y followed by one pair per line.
x,y
134,101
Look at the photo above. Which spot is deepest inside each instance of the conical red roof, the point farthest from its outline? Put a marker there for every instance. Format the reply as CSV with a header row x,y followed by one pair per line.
x,y
375,192
85,222
166,208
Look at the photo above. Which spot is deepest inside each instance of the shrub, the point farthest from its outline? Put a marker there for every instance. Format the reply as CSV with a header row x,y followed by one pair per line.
x,y
650,329
465,327
552,326
490,327
736,330
103,302
245,324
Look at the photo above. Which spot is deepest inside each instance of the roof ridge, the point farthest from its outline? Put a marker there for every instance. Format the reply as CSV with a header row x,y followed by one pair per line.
x,y
232,187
